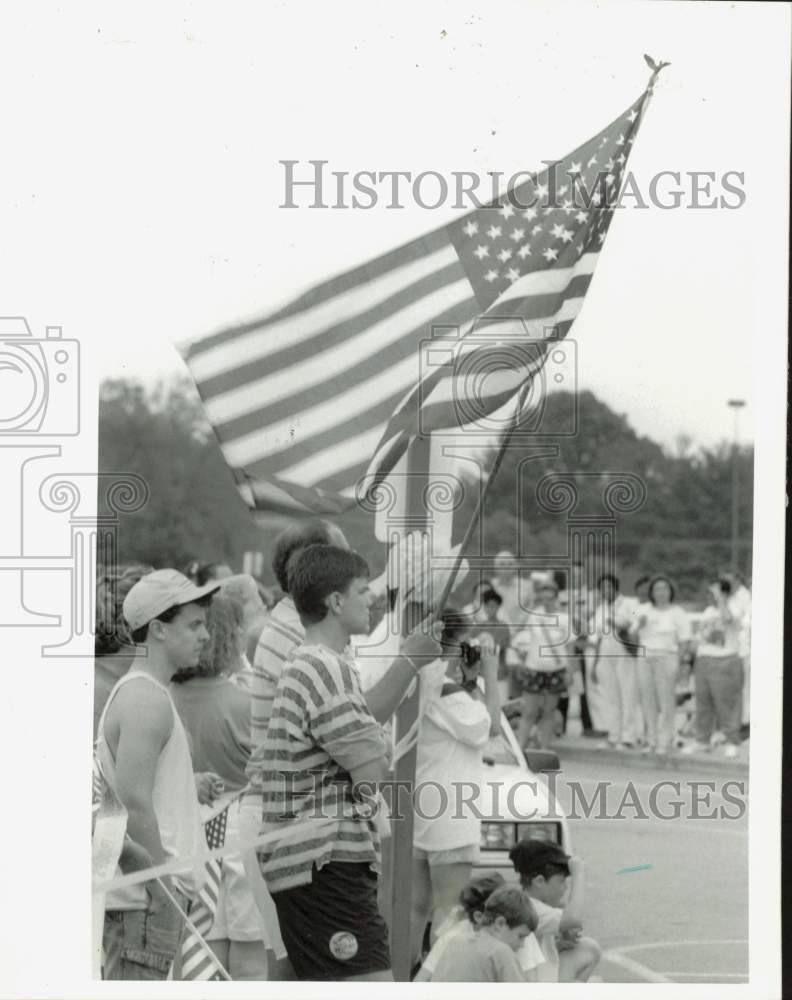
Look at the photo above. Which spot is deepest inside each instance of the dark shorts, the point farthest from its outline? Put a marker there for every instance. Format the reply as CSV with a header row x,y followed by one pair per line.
x,y
537,681
332,928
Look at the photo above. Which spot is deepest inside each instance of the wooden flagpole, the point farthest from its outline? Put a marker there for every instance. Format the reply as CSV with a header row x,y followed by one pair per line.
x,y
415,521
407,714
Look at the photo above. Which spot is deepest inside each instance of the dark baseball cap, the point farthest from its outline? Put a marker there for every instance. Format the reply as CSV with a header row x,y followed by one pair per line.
x,y
530,856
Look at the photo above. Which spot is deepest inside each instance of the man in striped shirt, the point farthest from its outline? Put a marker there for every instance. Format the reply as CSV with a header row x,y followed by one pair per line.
x,y
323,756
283,631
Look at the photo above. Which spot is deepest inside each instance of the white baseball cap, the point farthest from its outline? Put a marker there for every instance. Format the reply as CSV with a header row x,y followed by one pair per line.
x,y
158,591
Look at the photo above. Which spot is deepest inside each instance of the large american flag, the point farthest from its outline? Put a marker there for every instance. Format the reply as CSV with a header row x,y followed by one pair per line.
x,y
196,963
307,400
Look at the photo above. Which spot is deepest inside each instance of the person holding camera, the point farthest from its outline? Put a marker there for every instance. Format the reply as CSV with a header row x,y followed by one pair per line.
x,y
457,717
718,670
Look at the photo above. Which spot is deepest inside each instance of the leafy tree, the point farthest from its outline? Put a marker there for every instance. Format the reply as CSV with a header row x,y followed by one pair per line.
x,y
683,527
194,511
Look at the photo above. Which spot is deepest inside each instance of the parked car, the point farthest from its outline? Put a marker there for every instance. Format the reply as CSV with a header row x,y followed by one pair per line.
x,y
516,802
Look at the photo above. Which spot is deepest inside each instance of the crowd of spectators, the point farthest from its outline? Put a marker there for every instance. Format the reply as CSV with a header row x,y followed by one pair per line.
x,y
212,691
647,673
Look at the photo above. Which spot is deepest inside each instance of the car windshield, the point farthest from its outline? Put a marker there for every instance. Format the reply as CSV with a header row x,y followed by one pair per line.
x,y
499,751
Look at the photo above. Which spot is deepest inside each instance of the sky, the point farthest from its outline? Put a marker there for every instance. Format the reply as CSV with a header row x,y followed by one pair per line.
x,y
139,207
143,195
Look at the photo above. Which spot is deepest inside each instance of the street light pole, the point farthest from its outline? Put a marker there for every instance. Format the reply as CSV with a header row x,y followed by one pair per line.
x,y
736,405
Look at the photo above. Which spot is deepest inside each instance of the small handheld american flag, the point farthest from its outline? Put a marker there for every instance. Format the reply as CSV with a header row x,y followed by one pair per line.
x,y
196,963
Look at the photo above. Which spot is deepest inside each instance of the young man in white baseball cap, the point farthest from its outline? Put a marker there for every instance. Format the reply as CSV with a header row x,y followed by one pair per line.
x,y
145,758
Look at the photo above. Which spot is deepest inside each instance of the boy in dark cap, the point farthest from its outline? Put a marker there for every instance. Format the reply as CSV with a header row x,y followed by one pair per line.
x,y
555,883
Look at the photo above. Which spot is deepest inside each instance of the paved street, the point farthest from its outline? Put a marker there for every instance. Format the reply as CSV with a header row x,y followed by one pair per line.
x,y
681,912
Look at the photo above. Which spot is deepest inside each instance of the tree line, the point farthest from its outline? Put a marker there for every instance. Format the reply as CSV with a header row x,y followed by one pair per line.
x,y
682,527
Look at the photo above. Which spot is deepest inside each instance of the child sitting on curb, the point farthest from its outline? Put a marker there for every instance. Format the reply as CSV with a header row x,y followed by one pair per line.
x,y
550,876
489,955
466,919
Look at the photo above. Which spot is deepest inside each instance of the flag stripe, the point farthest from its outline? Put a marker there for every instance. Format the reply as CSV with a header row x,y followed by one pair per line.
x,y
330,431
345,454
284,496
350,376
364,278
282,354
346,306
288,434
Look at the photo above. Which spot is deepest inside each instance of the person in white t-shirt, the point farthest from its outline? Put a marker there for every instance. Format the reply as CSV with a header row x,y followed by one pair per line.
x,y
613,666
742,600
457,718
515,588
663,630
554,882
718,670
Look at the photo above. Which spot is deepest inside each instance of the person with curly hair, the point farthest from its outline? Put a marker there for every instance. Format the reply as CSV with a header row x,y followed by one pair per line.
x,y
114,650
216,714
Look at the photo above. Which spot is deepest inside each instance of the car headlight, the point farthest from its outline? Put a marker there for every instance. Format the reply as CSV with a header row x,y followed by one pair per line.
x,y
538,831
498,836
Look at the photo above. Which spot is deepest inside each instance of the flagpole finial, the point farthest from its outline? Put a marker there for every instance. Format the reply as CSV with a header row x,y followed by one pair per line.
x,y
655,67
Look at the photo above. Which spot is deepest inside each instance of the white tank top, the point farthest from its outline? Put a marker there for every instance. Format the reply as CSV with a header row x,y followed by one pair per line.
x,y
174,798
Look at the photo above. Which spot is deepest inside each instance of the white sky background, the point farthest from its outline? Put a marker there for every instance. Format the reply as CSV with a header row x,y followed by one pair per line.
x,y
144,184
139,192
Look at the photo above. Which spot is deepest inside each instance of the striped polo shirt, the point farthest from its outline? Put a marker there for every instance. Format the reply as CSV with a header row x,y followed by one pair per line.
x,y
280,636
319,731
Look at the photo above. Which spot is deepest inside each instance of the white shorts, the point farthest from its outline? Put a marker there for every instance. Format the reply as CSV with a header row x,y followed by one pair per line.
x,y
237,917
469,854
